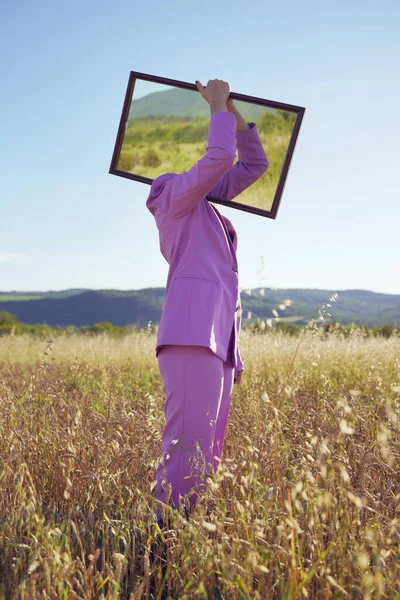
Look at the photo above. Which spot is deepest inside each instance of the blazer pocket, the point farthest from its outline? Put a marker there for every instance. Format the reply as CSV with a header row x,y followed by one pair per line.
x,y
198,279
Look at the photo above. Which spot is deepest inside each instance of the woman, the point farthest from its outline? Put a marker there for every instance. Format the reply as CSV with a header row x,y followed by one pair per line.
x,y
197,348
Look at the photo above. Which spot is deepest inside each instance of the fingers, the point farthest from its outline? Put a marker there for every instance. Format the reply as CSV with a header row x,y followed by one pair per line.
x,y
216,90
202,90
212,83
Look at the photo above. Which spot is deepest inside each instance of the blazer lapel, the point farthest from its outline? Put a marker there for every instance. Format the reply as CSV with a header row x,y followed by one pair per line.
x,y
232,245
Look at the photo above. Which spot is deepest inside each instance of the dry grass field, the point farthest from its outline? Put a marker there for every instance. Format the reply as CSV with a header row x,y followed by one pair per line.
x,y
306,500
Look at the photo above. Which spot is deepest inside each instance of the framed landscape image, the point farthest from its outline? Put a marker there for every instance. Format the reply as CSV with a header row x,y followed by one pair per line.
x,y
164,126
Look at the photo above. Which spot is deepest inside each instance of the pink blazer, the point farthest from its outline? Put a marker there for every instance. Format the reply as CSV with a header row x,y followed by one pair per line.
x,y
202,304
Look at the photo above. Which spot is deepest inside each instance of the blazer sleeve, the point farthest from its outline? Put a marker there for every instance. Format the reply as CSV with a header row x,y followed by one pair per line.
x,y
182,192
252,163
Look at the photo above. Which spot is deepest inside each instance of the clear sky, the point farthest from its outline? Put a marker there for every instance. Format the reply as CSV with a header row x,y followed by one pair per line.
x,y
66,223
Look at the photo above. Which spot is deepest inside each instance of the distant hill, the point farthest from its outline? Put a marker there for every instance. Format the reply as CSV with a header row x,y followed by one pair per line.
x,y
185,103
138,307
26,295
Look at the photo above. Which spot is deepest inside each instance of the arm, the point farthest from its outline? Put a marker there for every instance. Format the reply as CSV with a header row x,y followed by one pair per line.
x,y
189,188
252,160
241,124
179,194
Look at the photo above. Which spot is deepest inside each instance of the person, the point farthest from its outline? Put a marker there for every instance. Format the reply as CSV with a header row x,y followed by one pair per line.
x,y
197,341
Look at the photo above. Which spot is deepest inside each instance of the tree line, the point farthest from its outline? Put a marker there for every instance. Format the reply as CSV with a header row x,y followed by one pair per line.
x,y
9,325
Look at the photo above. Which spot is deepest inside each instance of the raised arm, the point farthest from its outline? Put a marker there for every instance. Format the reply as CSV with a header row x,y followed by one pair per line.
x,y
189,188
252,160
181,192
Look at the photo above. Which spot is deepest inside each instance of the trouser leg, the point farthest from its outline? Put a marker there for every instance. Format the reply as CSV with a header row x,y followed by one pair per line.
x,y
223,413
193,382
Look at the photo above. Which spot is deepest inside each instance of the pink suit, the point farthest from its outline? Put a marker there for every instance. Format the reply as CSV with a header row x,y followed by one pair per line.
x,y
197,342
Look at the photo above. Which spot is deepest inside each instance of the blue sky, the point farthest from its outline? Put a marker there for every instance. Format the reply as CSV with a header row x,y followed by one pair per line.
x,y
66,223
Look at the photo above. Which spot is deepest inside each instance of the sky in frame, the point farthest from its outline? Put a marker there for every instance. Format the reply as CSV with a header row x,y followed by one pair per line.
x,y
67,223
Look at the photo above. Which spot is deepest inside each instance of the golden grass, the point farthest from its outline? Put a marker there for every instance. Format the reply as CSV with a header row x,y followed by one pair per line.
x,y
306,500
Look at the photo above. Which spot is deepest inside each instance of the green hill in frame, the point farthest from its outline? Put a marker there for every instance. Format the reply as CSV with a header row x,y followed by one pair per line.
x,y
185,103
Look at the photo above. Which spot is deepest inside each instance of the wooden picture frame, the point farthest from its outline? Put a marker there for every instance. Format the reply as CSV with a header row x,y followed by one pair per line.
x,y
163,125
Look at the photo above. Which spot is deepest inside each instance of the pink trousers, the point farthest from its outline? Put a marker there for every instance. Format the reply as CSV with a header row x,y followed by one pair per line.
x,y
198,387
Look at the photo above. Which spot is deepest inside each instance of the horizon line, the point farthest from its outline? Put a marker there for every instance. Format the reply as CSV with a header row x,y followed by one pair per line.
x,y
242,290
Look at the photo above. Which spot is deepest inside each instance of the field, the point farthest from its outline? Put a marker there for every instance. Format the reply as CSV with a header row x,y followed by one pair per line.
x,y
306,500
169,144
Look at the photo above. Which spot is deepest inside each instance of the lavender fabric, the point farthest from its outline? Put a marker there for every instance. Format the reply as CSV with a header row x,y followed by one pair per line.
x,y
202,302
198,388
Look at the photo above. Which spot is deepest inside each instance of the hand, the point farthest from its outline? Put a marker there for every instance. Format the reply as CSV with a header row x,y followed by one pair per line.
x,y
216,91
237,377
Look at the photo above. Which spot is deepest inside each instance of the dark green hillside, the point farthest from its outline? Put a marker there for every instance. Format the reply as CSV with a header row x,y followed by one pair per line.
x,y
353,306
90,307
138,307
